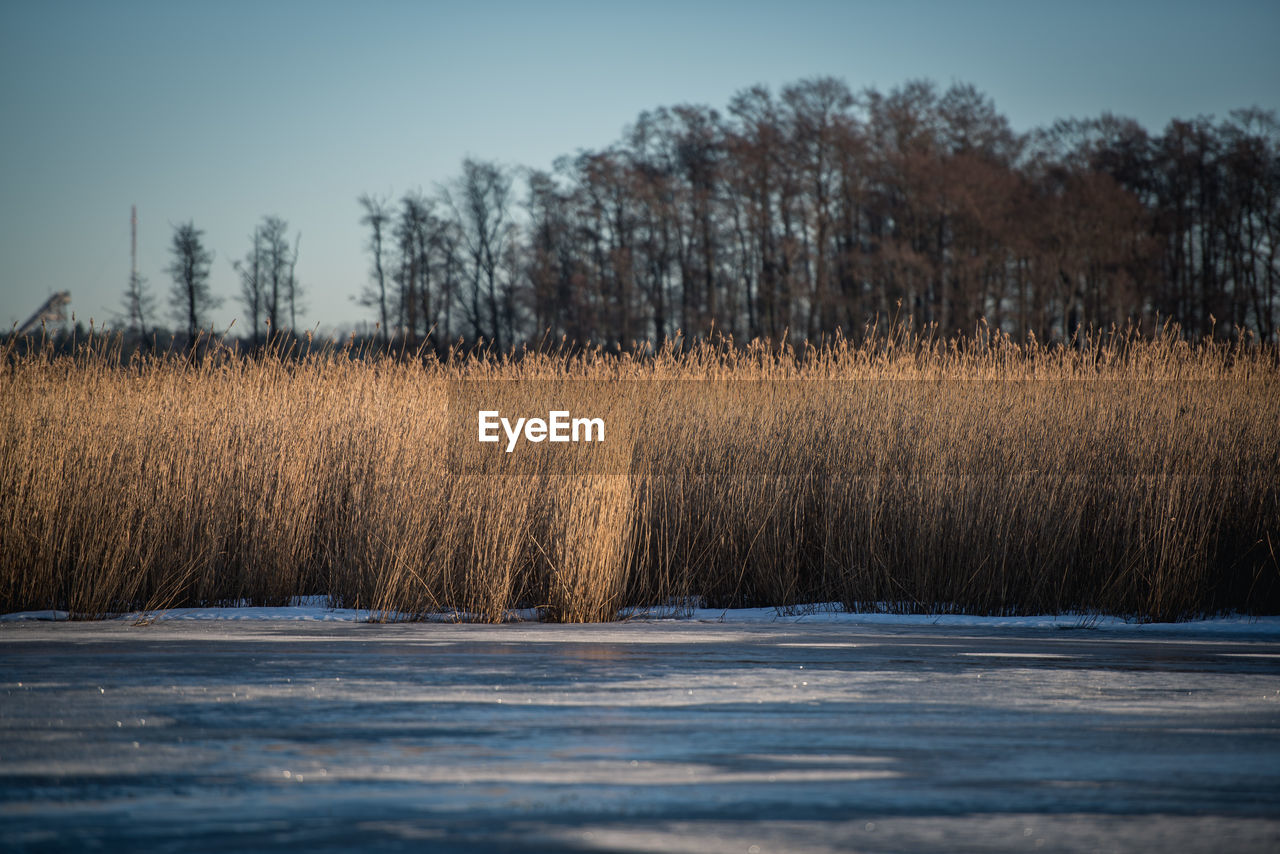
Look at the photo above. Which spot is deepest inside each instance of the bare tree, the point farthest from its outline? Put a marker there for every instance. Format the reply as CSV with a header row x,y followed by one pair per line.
x,y
377,216
277,262
251,286
447,243
139,305
414,232
480,201
190,272
293,289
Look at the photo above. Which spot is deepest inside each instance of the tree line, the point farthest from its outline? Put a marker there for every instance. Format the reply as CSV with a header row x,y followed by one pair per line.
x,y
818,208
270,294
806,212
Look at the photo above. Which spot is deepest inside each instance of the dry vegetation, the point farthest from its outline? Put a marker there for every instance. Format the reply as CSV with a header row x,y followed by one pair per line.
x,y
1122,475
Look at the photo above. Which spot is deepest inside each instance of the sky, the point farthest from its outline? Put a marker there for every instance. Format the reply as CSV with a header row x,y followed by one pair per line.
x,y
223,112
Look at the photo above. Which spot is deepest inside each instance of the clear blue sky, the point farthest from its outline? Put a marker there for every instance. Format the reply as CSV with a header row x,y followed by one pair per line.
x,y
221,112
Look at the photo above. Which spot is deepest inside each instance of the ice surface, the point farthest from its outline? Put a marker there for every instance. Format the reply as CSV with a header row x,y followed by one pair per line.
x,y
792,733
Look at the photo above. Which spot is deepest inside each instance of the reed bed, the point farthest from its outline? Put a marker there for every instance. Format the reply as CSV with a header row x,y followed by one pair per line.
x,y
1118,475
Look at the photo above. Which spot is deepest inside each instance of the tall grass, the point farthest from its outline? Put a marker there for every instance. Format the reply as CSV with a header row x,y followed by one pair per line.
x,y
1120,475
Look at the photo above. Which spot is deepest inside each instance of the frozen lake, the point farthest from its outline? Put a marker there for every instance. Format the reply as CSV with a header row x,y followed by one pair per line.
x,y
671,735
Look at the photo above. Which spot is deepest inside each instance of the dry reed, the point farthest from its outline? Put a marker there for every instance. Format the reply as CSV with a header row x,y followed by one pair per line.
x,y
1120,475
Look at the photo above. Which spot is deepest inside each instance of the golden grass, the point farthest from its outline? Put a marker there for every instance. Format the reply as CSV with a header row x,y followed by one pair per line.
x,y
1129,476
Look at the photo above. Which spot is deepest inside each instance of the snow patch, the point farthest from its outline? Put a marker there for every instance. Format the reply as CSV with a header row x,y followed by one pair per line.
x,y
28,616
824,614
317,609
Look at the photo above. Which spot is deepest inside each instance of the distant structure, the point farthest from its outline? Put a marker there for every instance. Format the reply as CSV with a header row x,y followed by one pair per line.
x,y
53,311
133,243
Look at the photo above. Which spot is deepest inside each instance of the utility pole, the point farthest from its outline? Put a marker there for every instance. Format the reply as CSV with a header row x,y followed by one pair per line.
x,y
137,303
